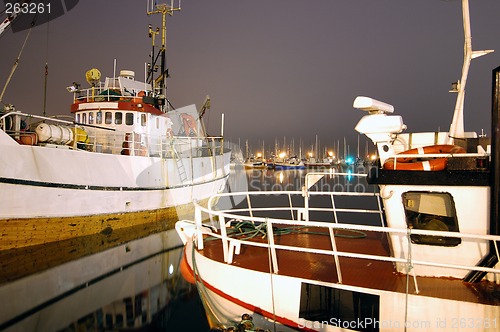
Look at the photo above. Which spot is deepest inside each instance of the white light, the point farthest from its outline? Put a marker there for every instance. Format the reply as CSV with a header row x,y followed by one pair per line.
x,y
170,269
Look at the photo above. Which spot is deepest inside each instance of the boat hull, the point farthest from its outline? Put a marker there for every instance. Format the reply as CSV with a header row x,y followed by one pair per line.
x,y
280,301
51,193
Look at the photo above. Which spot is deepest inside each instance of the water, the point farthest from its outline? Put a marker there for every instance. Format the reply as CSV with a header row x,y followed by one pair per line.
x,y
128,286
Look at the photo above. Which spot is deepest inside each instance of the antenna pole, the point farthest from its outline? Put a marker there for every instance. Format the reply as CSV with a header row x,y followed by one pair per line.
x,y
457,124
159,83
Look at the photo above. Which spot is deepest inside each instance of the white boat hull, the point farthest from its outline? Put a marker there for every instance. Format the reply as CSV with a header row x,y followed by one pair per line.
x,y
40,182
275,300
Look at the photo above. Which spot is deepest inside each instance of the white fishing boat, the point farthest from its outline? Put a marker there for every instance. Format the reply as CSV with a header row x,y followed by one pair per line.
x,y
425,259
124,158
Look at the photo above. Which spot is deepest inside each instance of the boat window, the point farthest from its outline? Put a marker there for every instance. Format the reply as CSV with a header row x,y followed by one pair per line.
x,y
98,118
143,120
91,117
431,211
78,118
108,117
129,119
84,117
322,305
118,118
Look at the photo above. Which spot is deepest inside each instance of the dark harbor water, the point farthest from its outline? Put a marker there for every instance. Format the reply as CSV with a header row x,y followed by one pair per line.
x,y
119,282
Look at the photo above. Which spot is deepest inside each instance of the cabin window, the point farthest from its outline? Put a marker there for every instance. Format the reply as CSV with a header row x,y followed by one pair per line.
x,y
91,117
98,118
129,119
84,117
108,118
78,118
431,211
118,118
143,120
323,306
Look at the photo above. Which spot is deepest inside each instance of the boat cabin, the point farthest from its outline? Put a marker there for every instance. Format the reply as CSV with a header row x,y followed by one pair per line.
x,y
419,194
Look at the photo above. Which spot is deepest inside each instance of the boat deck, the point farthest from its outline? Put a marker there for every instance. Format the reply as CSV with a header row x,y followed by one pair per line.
x,y
374,274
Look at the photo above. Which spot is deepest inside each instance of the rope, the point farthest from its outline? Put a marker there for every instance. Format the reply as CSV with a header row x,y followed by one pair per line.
x,y
247,230
14,67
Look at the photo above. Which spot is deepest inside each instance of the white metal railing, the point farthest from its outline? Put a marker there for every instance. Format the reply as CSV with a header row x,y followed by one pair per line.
x,y
108,140
232,245
91,138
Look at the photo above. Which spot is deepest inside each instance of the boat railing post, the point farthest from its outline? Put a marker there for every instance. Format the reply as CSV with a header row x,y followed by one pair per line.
x,y
225,242
335,255
198,222
305,194
381,213
291,206
334,209
272,248
250,207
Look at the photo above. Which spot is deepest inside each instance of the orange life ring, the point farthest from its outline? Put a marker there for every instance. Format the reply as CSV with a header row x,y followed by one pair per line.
x,y
411,164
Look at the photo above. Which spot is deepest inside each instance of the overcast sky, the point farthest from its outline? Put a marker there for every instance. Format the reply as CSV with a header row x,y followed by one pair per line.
x,y
276,68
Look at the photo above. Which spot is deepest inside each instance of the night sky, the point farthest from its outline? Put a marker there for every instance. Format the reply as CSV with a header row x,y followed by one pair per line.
x,y
277,68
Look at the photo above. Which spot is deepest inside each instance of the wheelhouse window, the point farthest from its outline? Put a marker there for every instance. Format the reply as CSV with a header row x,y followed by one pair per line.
x,y
91,117
84,117
143,119
78,118
118,118
129,119
431,211
108,118
98,118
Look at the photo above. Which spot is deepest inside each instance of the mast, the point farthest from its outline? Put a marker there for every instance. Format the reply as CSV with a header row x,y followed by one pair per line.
x,y
158,83
457,124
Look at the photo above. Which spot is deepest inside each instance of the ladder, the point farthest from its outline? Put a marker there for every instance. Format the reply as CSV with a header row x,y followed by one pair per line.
x,y
180,165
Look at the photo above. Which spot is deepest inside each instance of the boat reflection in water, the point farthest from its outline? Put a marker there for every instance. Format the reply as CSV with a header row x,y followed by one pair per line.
x,y
132,285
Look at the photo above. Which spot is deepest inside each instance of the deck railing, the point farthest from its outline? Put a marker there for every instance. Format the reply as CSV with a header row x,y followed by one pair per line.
x,y
90,138
223,219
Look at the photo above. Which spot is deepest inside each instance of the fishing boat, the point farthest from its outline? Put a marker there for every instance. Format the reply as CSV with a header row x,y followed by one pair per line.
x,y
125,157
425,256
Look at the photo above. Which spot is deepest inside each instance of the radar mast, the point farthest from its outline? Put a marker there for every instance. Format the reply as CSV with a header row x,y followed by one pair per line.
x,y
158,57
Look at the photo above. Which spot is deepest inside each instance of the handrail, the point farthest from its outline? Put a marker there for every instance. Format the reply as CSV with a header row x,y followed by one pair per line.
x,y
230,243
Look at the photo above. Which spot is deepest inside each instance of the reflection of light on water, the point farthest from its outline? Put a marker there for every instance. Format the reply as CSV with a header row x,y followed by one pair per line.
x,y
349,175
170,269
281,176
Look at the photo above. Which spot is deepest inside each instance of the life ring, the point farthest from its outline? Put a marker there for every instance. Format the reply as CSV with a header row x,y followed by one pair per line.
x,y
412,164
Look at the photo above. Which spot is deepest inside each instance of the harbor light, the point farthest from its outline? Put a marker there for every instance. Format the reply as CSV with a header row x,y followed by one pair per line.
x,y
282,155
259,155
